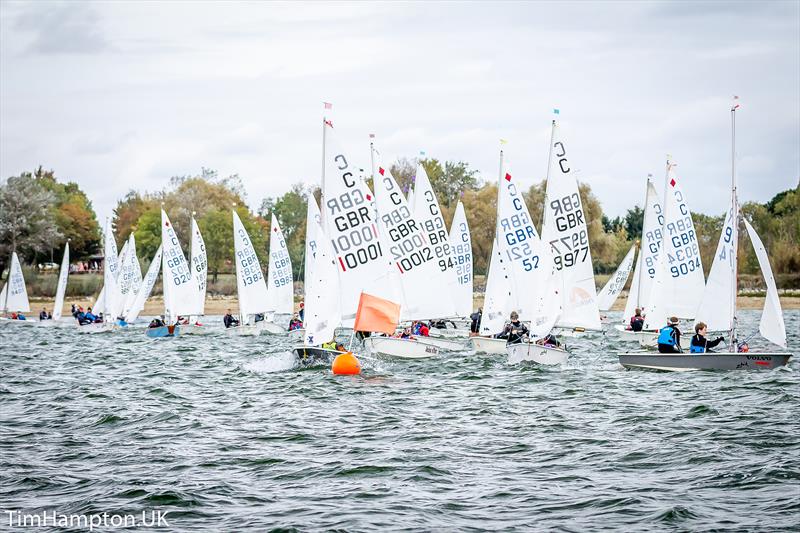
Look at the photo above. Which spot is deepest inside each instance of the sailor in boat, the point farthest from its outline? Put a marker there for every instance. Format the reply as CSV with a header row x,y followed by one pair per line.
x,y
183,321
420,329
157,322
549,341
475,326
515,331
80,316
229,320
302,312
18,316
295,323
699,343
669,337
91,317
74,310
637,321
44,315
405,334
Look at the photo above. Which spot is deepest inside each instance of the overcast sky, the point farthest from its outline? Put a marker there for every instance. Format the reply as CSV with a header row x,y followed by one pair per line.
x,y
121,95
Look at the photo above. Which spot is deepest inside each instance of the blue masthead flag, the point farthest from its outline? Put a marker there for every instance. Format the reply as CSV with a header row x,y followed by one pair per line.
x,y
556,111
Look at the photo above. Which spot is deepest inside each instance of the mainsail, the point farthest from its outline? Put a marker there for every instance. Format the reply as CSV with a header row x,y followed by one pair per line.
x,y
281,287
136,278
348,213
199,264
608,295
180,294
461,244
14,297
322,304
252,289
679,283
63,274
111,268
565,228
414,259
428,214
146,287
497,300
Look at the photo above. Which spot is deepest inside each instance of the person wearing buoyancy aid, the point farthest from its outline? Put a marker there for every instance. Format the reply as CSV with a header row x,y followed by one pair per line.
x,y
515,331
637,320
331,345
669,337
475,325
699,343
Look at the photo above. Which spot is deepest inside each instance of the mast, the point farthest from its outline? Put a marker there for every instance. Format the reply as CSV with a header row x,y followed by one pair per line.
x,y
735,228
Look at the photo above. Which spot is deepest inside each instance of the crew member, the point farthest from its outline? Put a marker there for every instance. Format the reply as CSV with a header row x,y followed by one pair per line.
x,y
699,343
637,320
229,320
514,332
44,315
475,326
669,337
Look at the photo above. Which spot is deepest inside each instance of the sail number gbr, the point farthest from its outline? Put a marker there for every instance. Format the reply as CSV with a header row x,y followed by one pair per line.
x,y
250,270
354,235
176,263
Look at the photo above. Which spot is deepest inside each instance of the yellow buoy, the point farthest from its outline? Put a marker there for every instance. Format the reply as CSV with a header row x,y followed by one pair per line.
x,y
346,364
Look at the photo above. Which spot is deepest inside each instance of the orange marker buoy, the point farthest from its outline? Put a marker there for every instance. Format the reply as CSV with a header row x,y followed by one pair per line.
x,y
346,364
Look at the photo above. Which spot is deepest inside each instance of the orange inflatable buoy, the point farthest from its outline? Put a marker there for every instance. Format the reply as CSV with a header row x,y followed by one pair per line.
x,y
346,364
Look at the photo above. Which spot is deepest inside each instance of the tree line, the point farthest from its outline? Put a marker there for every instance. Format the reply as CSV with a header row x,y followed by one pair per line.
x,y
38,214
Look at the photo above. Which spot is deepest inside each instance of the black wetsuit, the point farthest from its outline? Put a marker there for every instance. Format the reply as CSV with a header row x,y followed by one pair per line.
x,y
229,321
513,332
700,344
475,326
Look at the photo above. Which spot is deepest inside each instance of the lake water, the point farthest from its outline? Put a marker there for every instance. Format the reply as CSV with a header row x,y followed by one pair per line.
x,y
223,434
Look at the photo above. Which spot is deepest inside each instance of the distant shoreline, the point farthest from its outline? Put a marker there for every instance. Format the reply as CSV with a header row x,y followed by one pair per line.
x,y
218,305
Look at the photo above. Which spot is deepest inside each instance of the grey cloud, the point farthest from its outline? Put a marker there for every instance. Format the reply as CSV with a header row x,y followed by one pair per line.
x,y
63,28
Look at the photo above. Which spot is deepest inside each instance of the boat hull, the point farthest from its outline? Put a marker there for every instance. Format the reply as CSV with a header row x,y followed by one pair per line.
x,y
488,345
648,339
401,348
269,327
163,331
536,353
314,355
97,327
247,330
451,345
711,361
194,329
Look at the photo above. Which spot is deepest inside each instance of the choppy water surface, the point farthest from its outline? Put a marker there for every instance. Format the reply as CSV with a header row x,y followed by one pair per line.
x,y
225,435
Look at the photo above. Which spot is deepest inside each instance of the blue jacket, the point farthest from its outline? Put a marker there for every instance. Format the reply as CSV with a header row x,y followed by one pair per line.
x,y
670,336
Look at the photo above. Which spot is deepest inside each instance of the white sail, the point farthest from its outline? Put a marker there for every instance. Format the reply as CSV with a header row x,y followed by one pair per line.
x,y
718,308
199,264
520,244
772,326
146,287
15,295
608,294
547,311
323,311
421,278
348,213
461,244
313,223
411,197
650,246
63,274
565,228
99,304
631,304
135,273
252,289
281,286
126,281
180,294
111,267
428,214
497,302
679,282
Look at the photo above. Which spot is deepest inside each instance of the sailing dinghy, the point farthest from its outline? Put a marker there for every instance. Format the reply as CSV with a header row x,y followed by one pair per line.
x,y
199,267
280,290
718,305
14,296
110,291
145,288
608,294
645,269
61,290
250,284
180,293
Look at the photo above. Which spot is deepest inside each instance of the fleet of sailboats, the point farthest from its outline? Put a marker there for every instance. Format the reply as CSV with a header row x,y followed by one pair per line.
x,y
397,249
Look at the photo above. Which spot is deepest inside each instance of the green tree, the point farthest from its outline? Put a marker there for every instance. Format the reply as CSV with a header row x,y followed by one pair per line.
x,y
633,222
290,210
27,220
450,181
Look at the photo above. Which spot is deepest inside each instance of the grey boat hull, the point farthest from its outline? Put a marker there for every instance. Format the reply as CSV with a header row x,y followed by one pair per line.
x,y
711,361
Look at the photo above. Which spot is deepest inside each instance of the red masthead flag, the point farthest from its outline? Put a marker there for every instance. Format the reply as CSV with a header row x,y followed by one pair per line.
x,y
376,314
327,105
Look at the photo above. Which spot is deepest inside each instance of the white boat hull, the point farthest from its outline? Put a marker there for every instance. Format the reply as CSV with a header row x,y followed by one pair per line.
x,y
194,329
536,353
106,327
645,338
707,361
401,348
247,330
451,345
488,345
269,327
297,334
